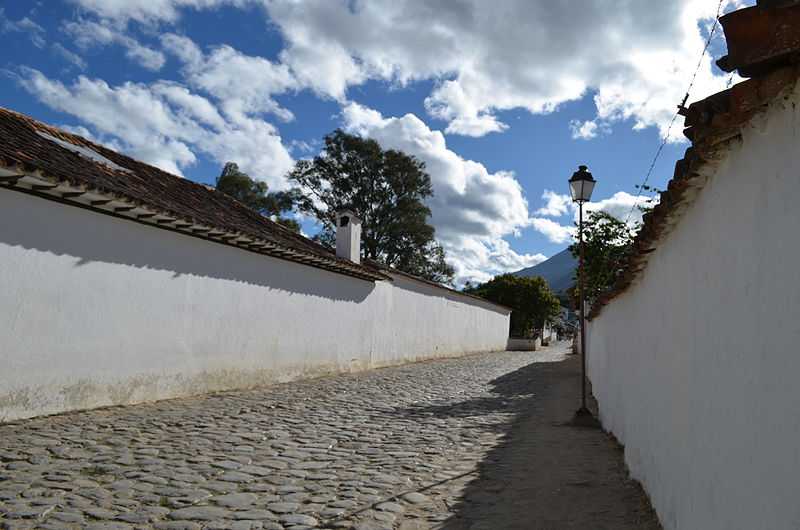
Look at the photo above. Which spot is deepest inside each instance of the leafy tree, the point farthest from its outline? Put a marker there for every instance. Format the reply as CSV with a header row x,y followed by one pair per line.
x,y
608,241
387,189
530,298
257,196
429,263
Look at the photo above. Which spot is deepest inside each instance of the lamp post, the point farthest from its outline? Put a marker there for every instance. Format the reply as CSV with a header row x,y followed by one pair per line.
x,y
581,186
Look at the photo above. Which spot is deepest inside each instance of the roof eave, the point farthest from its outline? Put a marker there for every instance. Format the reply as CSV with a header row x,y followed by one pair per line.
x,y
19,178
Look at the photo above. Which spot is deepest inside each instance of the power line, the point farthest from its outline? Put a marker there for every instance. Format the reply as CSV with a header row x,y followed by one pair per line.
x,y
678,111
730,80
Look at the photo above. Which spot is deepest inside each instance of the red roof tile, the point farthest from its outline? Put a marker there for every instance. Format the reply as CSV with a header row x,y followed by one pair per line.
x,y
761,37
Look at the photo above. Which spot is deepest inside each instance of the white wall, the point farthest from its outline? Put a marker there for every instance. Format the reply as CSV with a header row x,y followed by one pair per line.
x,y
696,367
97,311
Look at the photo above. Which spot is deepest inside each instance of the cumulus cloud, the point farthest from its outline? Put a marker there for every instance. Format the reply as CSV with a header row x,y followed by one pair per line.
x,y
25,25
450,103
556,204
479,261
165,124
472,208
554,232
621,205
635,56
475,125
183,48
88,33
243,84
589,129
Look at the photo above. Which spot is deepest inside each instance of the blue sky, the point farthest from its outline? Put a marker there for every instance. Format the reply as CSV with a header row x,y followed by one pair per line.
x,y
501,103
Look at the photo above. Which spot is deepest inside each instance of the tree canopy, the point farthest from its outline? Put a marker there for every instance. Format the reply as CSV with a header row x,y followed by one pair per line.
x,y
531,300
387,189
256,195
608,241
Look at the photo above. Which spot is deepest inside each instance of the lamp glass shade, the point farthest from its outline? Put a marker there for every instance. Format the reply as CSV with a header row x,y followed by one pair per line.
x,y
581,185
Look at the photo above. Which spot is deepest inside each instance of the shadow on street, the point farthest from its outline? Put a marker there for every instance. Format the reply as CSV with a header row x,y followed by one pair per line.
x,y
545,474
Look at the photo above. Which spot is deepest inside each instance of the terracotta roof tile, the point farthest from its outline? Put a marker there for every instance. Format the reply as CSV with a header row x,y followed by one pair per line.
x,y
761,37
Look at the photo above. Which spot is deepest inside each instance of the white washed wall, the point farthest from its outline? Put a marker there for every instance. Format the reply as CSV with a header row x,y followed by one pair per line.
x,y
697,367
97,311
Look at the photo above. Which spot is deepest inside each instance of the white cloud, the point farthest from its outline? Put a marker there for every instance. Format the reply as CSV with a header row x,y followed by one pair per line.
x,y
71,57
148,11
556,204
88,33
166,125
637,57
479,261
588,130
475,126
183,48
621,205
449,102
243,84
554,232
302,147
146,57
25,25
472,209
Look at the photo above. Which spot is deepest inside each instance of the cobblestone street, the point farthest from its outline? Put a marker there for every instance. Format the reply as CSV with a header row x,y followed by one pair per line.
x,y
397,448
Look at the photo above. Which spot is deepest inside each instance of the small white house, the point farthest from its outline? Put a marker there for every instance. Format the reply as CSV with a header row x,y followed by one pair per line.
x,y
121,283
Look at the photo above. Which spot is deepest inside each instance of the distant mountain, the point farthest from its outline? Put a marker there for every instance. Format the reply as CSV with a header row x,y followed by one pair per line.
x,y
558,271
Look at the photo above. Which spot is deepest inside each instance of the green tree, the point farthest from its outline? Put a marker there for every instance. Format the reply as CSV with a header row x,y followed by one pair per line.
x,y
387,189
608,242
256,195
531,300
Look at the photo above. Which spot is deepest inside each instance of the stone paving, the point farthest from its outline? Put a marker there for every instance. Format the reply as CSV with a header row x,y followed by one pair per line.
x,y
388,449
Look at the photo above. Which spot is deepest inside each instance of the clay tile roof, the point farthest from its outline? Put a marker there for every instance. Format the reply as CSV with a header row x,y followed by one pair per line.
x,y
763,44
62,163
761,37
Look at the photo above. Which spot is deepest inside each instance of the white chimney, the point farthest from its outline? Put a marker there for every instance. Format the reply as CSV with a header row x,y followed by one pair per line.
x,y
348,236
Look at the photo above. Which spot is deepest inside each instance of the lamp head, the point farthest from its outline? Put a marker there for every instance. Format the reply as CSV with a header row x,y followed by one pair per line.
x,y
581,185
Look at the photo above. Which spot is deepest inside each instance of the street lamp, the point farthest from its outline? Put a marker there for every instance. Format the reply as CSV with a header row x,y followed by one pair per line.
x,y
581,186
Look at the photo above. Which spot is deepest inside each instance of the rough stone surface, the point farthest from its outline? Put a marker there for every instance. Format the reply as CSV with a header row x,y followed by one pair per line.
x,y
399,448
415,498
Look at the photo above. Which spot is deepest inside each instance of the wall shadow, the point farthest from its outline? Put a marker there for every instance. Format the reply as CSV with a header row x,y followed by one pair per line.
x,y
33,223
419,287
544,474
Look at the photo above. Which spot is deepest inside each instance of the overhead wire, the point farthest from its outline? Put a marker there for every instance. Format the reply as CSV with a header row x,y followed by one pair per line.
x,y
618,262
643,186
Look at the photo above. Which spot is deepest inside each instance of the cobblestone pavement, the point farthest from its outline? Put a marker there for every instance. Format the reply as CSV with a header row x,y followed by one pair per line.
x,y
389,449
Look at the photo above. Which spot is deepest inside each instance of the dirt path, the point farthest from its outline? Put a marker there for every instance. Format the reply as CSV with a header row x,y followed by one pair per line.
x,y
546,475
